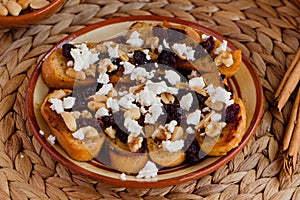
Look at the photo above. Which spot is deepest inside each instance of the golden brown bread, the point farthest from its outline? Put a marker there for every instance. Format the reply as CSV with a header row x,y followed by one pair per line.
x,y
80,150
54,72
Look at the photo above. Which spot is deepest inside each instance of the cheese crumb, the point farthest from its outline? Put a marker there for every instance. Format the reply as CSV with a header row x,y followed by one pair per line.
x,y
186,101
194,117
197,82
222,47
123,177
149,171
51,139
68,102
105,89
79,134
173,146
101,112
135,40
172,77
83,57
113,52
41,132
57,105
133,126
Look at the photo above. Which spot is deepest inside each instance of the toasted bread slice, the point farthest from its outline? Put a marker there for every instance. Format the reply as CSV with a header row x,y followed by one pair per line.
x,y
80,150
230,137
54,72
124,160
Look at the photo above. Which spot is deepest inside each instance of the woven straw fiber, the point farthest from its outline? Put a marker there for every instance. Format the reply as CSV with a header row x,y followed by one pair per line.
x,y
268,32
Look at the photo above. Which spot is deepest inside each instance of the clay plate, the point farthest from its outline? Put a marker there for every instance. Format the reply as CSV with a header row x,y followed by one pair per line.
x,y
245,82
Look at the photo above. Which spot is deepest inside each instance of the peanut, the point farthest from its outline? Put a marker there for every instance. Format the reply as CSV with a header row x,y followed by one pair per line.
x,y
74,74
69,120
13,8
24,3
98,98
3,10
94,106
167,98
38,4
110,132
177,134
133,113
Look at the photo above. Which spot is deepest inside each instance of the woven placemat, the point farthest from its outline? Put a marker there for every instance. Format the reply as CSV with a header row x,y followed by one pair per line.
x,y
268,32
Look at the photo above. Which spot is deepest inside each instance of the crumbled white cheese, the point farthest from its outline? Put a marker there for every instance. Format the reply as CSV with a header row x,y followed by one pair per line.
x,y
147,97
113,104
190,130
128,67
206,109
222,47
219,94
123,177
51,139
194,117
160,87
172,76
186,101
149,171
184,50
103,78
79,134
126,101
216,117
140,73
113,52
171,126
146,51
57,105
41,132
101,112
204,36
173,146
105,89
156,111
68,102
83,57
149,119
135,40
133,126
196,82
166,44
155,65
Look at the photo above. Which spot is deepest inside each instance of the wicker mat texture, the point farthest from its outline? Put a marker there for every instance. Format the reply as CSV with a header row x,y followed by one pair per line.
x,y
268,32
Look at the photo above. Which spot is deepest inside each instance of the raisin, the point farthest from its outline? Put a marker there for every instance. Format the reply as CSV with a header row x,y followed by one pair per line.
x,y
174,112
175,35
106,121
66,50
139,57
232,112
209,44
192,153
201,98
167,58
116,61
123,137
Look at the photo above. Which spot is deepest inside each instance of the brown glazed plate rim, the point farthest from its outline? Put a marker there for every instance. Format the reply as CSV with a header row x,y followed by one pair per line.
x,y
138,183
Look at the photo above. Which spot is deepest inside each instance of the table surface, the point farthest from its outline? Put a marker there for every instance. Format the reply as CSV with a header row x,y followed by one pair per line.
x,y
268,32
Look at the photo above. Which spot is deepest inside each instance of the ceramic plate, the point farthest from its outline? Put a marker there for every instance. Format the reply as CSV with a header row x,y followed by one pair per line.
x,y
245,82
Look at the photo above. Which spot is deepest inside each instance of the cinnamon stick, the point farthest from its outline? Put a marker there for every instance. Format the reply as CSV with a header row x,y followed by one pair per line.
x,y
292,154
289,82
291,124
287,74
